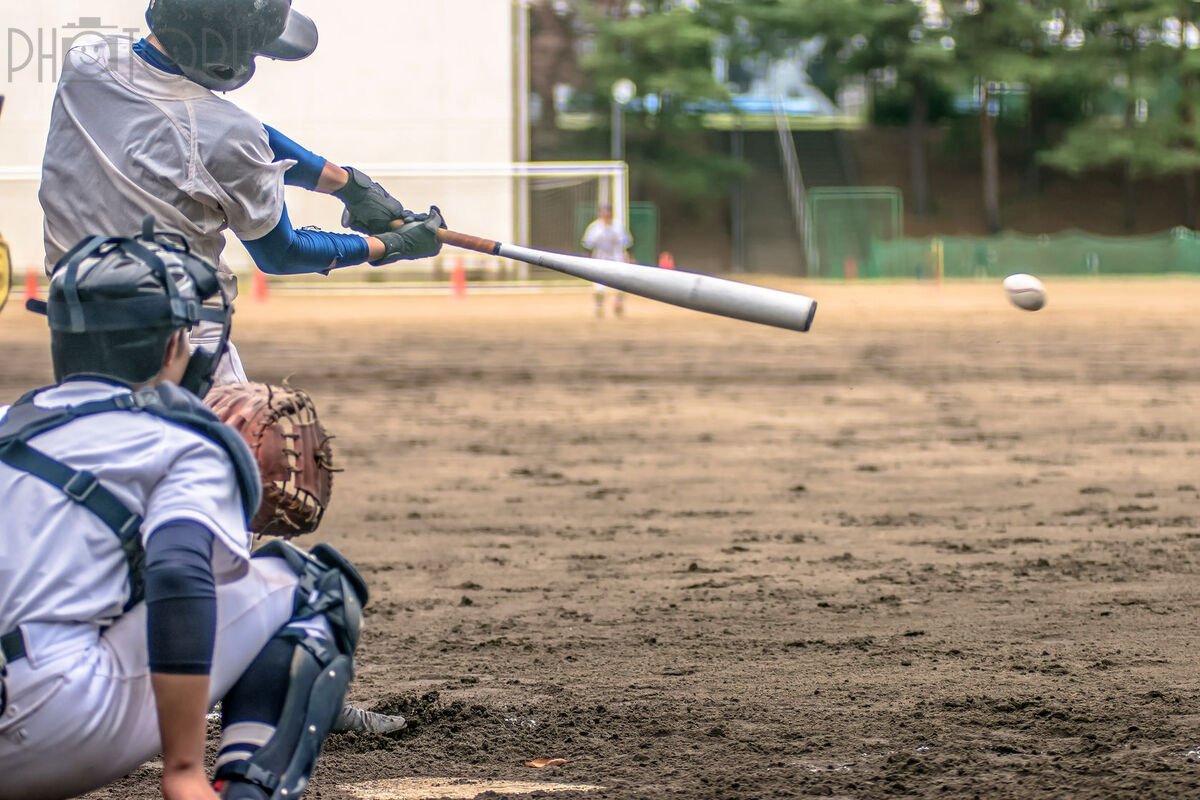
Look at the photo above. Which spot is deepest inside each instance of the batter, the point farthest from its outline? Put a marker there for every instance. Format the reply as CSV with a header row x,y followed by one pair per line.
x,y
137,128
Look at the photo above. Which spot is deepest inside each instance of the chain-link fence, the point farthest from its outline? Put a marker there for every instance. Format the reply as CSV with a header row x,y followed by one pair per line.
x,y
1073,253
857,232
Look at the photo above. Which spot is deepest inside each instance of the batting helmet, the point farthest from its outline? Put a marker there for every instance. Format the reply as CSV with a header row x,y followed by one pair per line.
x,y
215,42
115,303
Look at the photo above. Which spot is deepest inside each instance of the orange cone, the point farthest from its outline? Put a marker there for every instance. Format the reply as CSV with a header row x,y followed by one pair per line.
x,y
666,260
31,284
261,290
458,279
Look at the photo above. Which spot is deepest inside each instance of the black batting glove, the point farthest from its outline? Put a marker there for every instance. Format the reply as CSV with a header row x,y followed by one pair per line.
x,y
369,207
416,239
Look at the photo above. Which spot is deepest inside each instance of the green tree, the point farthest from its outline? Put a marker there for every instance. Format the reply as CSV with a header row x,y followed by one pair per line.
x,y
1057,81
1185,41
552,58
1001,45
906,44
666,49
1137,127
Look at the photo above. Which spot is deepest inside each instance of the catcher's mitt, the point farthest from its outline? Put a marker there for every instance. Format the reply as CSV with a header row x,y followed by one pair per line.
x,y
292,450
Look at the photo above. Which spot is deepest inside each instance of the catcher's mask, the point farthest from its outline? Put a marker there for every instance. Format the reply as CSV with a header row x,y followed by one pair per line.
x,y
114,304
215,42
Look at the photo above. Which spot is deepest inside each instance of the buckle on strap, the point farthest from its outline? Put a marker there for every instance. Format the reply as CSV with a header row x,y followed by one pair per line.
x,y
249,772
81,485
12,648
130,527
137,401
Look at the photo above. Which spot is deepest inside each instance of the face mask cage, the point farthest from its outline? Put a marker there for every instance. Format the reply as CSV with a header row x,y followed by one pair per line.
x,y
207,353
192,298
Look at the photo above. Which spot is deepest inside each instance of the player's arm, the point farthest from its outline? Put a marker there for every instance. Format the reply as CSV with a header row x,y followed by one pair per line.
x,y
590,235
288,251
311,171
181,622
370,208
285,250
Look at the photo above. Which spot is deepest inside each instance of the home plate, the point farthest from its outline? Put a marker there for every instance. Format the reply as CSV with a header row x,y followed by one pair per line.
x,y
451,788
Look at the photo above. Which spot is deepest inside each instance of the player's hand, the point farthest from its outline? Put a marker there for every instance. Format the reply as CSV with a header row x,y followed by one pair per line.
x,y
370,208
189,784
417,239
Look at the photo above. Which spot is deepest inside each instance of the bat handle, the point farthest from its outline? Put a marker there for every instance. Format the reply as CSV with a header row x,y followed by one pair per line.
x,y
469,242
464,240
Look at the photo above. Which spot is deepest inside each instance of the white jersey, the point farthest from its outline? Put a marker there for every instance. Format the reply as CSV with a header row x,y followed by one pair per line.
x,y
606,241
58,562
80,709
127,139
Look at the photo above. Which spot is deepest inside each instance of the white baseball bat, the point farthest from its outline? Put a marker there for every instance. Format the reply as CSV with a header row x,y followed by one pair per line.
x,y
705,293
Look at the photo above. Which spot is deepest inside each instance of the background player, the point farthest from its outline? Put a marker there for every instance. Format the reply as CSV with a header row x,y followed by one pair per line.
x,y
604,239
137,129
129,601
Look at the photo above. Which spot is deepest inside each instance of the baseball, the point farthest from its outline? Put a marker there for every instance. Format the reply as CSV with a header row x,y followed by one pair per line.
x,y
1025,291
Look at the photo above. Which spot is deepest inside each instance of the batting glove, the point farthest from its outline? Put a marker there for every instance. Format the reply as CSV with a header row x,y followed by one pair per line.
x,y
369,207
417,239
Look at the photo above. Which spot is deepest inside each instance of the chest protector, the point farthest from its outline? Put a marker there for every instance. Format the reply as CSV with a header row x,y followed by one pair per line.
x,y
168,402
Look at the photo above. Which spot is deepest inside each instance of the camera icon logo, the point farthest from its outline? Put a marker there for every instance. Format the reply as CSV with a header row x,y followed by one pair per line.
x,y
39,54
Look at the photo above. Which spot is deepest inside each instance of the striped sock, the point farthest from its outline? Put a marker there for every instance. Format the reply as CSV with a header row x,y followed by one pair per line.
x,y
241,740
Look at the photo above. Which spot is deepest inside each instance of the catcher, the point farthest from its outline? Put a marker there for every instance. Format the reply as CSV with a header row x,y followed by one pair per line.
x,y
129,599
137,128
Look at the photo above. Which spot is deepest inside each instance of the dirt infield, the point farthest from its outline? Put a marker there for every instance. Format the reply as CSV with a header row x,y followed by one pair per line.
x,y
937,547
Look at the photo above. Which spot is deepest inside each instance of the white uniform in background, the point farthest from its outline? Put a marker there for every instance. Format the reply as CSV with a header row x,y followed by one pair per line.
x,y
81,709
608,241
199,163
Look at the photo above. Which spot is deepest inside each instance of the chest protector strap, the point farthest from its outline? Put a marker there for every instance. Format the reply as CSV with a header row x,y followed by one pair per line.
x,y
25,420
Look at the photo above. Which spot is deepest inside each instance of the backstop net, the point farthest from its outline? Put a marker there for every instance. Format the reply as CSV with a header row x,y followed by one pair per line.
x,y
845,226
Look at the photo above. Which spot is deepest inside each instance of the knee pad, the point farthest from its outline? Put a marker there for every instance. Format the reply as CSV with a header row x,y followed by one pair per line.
x,y
318,676
329,586
281,768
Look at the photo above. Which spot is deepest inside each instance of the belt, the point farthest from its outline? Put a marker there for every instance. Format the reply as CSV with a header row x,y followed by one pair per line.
x,y
12,646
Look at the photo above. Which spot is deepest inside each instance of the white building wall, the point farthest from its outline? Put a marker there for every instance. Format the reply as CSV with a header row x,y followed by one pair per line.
x,y
393,82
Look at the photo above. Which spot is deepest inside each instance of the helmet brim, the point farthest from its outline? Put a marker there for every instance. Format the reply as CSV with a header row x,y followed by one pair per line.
x,y
298,40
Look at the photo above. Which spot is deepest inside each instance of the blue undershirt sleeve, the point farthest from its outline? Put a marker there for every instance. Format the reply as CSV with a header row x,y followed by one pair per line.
x,y
287,251
308,168
181,599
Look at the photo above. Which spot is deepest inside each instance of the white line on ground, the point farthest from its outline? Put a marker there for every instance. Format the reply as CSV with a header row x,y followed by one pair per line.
x,y
452,788
356,289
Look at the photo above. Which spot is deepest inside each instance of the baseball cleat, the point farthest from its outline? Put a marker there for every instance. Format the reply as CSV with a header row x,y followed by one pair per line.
x,y
358,720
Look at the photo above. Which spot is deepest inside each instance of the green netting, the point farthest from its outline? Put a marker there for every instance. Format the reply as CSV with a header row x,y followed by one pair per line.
x,y
846,224
1072,253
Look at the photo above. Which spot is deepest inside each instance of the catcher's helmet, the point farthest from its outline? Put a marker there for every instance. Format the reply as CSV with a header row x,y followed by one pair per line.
x,y
215,42
114,304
